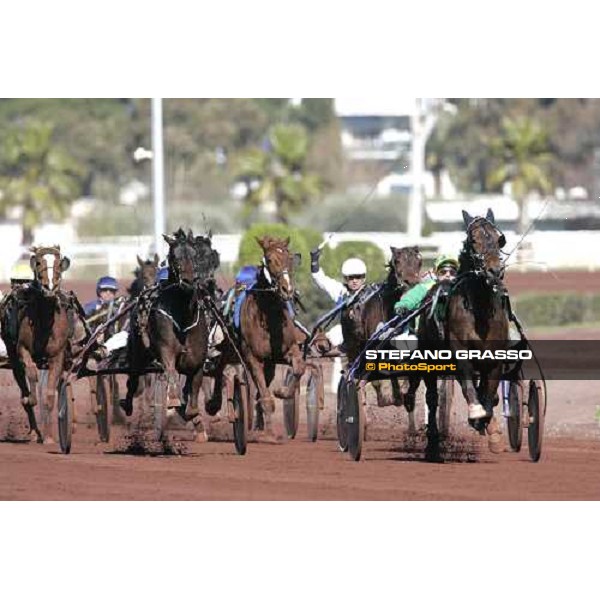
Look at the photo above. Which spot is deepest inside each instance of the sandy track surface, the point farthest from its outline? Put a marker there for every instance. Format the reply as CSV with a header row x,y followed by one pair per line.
x,y
393,467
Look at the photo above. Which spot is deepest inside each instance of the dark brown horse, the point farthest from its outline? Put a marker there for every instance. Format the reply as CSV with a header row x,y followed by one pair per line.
x,y
145,275
177,324
361,320
42,327
478,320
268,334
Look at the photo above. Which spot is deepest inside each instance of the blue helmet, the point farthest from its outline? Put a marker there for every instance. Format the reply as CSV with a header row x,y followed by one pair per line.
x,y
162,274
106,283
247,276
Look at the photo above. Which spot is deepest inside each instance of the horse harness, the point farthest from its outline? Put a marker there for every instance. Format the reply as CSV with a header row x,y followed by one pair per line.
x,y
147,303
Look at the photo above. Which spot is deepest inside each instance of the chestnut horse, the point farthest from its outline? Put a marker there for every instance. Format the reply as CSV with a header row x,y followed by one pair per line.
x,y
268,334
41,327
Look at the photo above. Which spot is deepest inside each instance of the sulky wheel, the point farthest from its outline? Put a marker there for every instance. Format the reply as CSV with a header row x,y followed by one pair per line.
x,y
536,405
342,427
355,419
514,421
312,407
291,408
65,417
103,408
445,402
45,415
240,423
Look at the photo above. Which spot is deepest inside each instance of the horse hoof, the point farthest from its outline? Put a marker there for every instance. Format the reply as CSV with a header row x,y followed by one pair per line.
x,y
47,442
282,393
265,437
201,437
191,412
477,412
212,408
268,406
174,403
127,407
495,443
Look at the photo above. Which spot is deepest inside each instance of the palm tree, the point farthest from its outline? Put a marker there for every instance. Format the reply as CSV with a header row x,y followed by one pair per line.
x,y
36,176
523,159
277,173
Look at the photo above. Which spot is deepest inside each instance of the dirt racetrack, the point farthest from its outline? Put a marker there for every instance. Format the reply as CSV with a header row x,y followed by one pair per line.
x,y
393,467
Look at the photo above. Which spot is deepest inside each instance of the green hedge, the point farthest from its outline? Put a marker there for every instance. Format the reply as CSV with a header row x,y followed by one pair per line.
x,y
554,310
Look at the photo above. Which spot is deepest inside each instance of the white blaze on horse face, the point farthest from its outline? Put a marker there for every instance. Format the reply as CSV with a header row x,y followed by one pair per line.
x,y
51,264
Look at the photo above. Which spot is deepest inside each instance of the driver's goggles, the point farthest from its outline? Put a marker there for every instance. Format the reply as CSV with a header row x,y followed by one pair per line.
x,y
350,277
447,271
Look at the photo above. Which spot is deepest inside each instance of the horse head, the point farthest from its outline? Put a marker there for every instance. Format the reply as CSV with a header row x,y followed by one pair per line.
x,y
191,259
405,266
278,265
147,270
48,265
482,251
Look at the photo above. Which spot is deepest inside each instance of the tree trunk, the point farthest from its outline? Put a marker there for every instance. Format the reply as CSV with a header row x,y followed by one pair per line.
x,y
524,255
279,215
523,219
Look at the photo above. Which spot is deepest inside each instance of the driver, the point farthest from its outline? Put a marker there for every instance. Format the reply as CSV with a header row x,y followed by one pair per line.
x,y
354,272
445,273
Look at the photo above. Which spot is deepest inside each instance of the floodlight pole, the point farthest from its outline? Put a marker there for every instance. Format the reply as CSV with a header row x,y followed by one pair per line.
x,y
423,123
158,174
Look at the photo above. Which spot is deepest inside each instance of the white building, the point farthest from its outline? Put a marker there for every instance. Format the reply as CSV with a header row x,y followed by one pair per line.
x,y
378,131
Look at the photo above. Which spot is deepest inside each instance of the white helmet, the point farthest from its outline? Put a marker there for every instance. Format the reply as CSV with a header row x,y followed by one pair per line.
x,y
354,266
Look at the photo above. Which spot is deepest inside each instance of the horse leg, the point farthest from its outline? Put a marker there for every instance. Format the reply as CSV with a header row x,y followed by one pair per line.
x,y
132,387
93,382
489,388
266,401
432,452
385,396
26,375
213,405
298,370
55,371
21,379
191,390
192,386
410,402
476,411
173,386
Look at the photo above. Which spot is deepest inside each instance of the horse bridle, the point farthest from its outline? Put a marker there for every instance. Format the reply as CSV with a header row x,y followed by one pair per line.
x,y
38,254
274,280
478,259
197,282
402,285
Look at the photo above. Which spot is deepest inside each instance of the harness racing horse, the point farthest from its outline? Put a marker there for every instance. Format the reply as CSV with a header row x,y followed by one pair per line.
x,y
267,330
361,320
177,323
145,276
478,320
41,327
